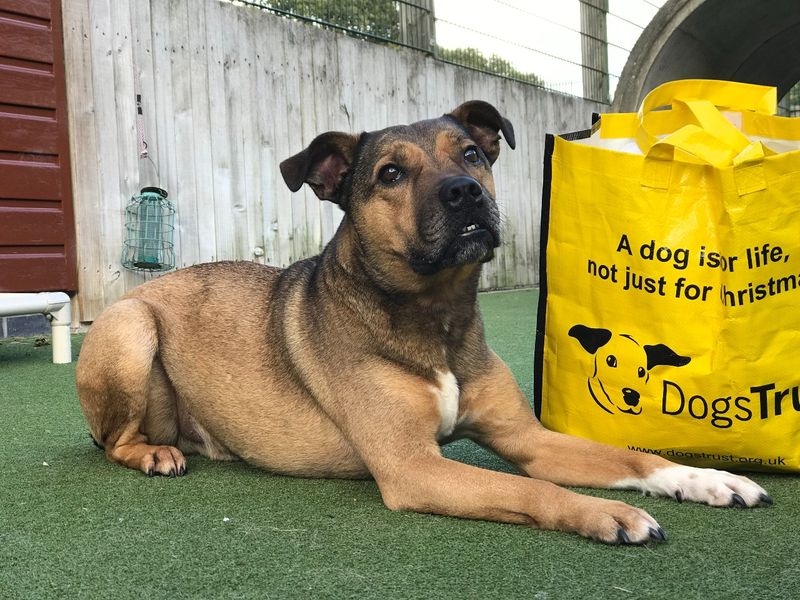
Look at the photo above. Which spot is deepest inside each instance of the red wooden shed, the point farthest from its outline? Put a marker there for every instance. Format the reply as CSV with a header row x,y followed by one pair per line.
x,y
37,232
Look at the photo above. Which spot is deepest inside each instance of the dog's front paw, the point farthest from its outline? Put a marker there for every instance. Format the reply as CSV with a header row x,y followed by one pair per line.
x,y
613,522
707,486
162,460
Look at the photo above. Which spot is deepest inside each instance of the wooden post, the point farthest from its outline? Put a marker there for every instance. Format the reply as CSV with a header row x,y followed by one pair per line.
x,y
417,25
594,49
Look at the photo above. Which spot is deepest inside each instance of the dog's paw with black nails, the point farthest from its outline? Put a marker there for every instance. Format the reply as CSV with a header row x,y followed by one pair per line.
x,y
617,523
706,486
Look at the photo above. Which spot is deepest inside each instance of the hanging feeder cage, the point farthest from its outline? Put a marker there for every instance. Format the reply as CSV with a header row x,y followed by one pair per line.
x,y
149,225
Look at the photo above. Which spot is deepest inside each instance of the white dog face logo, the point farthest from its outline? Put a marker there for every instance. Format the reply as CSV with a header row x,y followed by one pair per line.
x,y
621,367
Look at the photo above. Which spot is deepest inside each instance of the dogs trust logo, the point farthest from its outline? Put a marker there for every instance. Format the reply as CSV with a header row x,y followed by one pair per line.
x,y
621,367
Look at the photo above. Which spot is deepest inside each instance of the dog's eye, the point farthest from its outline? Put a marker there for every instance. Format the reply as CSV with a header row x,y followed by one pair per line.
x,y
611,360
472,156
390,173
642,372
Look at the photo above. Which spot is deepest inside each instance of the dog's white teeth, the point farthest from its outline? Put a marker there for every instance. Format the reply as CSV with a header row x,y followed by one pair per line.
x,y
469,228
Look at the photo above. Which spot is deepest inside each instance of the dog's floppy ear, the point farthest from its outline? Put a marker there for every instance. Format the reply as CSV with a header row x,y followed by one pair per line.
x,y
322,165
483,122
664,355
590,338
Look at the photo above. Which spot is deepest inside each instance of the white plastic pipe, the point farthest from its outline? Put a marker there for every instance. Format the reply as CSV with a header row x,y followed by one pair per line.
x,y
55,306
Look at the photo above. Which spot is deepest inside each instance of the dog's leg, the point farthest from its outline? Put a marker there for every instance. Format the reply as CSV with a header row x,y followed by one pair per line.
x,y
501,419
394,431
123,397
433,484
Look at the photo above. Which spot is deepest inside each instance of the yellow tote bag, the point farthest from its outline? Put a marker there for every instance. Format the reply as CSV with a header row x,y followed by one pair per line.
x,y
669,317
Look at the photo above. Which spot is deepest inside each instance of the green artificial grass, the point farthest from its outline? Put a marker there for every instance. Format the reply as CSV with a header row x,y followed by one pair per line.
x,y
73,525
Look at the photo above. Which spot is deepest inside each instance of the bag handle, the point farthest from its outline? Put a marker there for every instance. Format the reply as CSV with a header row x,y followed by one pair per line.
x,y
700,101
693,141
705,148
725,95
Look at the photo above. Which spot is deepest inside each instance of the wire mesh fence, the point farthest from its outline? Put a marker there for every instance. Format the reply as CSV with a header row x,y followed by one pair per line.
x,y
577,47
408,23
790,104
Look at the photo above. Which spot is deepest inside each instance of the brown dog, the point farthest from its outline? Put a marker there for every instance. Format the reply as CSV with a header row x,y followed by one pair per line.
x,y
363,360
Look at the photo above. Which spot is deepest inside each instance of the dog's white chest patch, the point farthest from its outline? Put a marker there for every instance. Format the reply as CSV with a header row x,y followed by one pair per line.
x,y
447,400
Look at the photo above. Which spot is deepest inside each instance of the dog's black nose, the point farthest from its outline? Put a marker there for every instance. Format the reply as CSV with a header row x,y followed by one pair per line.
x,y
458,193
631,397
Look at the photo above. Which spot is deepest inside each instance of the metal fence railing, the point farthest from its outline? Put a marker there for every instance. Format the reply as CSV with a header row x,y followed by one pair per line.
x,y
561,46
789,105
408,23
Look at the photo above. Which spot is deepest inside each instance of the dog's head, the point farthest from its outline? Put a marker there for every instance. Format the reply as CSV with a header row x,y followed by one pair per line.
x,y
621,367
420,198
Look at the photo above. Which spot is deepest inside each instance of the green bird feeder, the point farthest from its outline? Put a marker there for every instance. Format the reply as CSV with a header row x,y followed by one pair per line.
x,y
149,225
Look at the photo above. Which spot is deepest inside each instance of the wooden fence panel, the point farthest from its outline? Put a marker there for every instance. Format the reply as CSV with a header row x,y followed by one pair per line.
x,y
228,92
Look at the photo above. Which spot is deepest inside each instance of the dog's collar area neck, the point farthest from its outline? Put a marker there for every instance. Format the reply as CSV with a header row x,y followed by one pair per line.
x,y
434,284
442,302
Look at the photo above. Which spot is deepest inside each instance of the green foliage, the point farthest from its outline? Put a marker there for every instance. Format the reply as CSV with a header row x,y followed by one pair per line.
x,y
379,18
474,58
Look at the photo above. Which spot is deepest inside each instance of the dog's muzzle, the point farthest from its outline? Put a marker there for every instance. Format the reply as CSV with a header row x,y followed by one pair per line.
x,y
471,232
